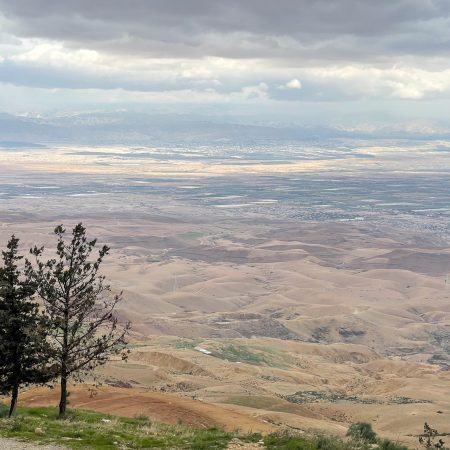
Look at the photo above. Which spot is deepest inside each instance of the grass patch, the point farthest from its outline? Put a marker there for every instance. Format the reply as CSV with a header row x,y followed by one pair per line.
x,y
302,397
128,365
95,431
285,441
239,353
440,340
133,346
275,357
252,401
263,403
188,344
406,400
289,441
4,411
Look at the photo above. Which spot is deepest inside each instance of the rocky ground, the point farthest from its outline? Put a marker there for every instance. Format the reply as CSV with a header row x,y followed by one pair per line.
x,y
11,444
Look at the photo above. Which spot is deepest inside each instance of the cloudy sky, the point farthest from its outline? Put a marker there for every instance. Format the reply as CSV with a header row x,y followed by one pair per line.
x,y
327,57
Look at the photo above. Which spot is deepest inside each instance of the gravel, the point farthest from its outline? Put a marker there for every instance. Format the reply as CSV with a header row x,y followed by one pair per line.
x,y
236,444
11,444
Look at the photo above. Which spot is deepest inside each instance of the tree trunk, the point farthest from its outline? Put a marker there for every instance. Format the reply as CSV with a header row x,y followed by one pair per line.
x,y
63,399
14,397
64,356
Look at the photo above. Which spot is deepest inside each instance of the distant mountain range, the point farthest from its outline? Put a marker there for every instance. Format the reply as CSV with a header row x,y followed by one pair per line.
x,y
130,128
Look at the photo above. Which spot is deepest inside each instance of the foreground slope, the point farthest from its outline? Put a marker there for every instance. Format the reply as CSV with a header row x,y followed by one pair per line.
x,y
262,384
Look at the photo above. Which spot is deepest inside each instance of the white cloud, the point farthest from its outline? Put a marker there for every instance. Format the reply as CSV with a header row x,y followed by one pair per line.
x,y
400,82
55,55
295,83
259,91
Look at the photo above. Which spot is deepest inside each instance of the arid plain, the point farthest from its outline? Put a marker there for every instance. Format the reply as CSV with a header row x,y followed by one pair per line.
x,y
302,293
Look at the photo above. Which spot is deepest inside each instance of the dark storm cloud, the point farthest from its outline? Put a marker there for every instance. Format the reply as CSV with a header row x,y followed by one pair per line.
x,y
50,78
310,29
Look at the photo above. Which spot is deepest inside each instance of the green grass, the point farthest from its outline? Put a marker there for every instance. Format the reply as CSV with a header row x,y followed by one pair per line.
x,y
302,397
3,410
90,430
406,400
289,441
262,402
236,351
441,338
95,431
186,343
239,353
285,441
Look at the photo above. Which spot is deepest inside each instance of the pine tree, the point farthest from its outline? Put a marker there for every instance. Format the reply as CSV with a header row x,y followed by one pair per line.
x,y
23,346
84,329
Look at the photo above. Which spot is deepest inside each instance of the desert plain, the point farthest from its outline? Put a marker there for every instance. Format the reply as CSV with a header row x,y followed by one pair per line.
x,y
300,293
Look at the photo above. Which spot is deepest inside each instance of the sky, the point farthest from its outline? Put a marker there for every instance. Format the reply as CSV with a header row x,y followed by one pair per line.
x,y
354,60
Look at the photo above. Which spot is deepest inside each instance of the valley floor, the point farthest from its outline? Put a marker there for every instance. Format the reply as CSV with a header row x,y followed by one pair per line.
x,y
307,296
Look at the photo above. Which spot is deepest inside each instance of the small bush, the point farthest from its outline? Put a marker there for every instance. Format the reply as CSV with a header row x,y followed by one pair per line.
x,y
362,431
16,424
286,441
386,444
430,438
4,410
252,437
142,420
330,443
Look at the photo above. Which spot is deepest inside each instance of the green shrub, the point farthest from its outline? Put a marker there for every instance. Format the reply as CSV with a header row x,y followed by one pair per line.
x,y
330,443
292,441
252,437
362,431
142,420
386,444
4,410
286,441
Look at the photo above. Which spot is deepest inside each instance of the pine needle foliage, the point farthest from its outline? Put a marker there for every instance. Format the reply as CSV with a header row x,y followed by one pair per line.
x,y
84,329
23,347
